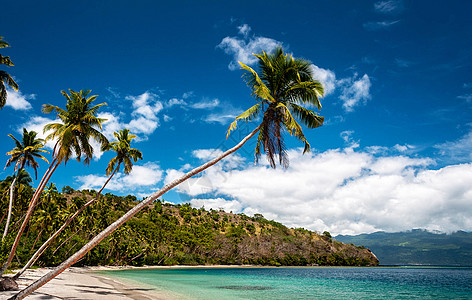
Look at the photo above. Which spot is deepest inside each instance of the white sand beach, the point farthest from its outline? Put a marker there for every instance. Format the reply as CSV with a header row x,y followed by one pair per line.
x,y
84,283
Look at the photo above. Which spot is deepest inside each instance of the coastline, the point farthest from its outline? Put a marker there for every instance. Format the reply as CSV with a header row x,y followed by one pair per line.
x,y
88,283
85,283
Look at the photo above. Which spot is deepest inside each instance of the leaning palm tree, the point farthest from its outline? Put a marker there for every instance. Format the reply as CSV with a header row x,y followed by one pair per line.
x,y
124,155
22,155
5,78
281,86
72,138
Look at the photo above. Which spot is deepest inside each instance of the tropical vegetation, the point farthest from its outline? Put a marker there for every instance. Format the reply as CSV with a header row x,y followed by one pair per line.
x,y
5,78
22,155
124,230
72,137
168,234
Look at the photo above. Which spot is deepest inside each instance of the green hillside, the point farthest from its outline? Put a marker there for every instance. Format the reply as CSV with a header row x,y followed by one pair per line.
x,y
166,234
417,247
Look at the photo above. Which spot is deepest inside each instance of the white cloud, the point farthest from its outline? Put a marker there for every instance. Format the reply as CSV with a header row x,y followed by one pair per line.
x,y
175,101
217,204
18,101
457,151
355,91
143,125
146,105
388,6
142,176
206,104
242,49
244,29
167,118
344,191
37,124
144,117
326,77
382,25
222,118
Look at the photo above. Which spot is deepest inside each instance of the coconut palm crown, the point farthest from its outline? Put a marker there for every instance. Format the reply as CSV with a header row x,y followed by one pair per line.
x,y
281,85
78,125
124,153
26,151
5,78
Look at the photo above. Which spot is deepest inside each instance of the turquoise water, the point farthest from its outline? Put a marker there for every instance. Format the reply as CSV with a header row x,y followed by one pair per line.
x,y
308,282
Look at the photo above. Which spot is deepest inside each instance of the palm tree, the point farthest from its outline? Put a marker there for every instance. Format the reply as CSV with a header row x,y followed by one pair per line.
x,y
23,180
22,155
124,155
283,85
72,138
4,76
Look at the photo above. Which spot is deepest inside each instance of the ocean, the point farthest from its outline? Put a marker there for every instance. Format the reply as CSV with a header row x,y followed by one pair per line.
x,y
305,282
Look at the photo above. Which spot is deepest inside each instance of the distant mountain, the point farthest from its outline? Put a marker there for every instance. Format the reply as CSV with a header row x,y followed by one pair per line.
x,y
416,247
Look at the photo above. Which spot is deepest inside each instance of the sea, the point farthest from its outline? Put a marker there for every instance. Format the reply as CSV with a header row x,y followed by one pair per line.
x,y
304,282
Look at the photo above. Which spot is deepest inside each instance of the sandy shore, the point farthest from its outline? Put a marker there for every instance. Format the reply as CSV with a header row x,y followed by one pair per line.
x,y
84,283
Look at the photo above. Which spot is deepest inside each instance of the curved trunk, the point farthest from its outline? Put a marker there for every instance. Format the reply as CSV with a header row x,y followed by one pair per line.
x,y
110,229
10,207
32,204
10,204
44,246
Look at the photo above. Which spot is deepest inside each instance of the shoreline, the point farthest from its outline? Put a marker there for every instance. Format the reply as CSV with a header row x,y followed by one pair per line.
x,y
87,284
91,283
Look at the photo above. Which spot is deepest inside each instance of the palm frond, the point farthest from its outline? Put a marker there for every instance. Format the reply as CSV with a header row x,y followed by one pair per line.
x,y
258,87
246,116
308,117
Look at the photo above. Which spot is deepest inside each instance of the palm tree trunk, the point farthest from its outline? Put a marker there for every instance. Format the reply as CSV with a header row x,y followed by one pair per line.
x,y
110,229
42,184
44,246
10,207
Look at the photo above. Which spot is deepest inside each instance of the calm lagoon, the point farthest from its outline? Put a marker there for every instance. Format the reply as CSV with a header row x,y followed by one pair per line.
x,y
305,282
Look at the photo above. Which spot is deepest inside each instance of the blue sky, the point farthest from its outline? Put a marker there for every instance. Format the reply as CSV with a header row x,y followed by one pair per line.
x,y
394,153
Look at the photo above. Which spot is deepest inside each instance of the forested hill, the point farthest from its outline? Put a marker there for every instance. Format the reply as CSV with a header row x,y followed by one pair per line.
x,y
165,234
417,247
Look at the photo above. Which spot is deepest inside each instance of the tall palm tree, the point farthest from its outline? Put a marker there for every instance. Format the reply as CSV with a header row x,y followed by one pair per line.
x,y
281,86
72,137
124,155
22,155
5,78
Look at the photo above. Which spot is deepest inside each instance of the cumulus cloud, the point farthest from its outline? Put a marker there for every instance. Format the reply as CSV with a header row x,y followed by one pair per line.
x,y
142,176
37,124
175,101
355,91
18,101
343,191
242,48
326,77
217,204
144,116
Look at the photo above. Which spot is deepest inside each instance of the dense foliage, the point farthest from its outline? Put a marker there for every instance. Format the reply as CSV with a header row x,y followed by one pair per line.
x,y
166,234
